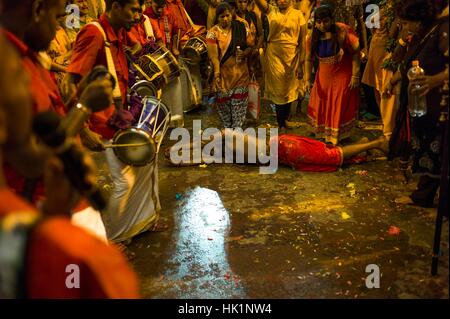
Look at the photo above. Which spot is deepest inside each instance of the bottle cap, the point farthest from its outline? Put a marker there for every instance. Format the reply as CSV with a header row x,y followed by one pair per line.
x,y
415,63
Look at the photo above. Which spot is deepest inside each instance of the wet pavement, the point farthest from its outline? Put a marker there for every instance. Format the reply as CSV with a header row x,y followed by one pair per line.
x,y
234,233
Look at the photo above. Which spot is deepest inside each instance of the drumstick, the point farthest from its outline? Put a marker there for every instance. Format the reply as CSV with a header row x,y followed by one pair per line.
x,y
127,145
178,40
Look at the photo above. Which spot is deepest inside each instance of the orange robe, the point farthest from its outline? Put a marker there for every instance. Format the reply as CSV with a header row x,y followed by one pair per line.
x,y
54,244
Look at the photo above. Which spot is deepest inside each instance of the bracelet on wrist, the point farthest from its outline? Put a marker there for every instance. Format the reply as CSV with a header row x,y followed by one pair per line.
x,y
402,42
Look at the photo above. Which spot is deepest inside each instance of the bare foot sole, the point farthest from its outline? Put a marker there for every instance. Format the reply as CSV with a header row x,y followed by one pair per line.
x,y
404,200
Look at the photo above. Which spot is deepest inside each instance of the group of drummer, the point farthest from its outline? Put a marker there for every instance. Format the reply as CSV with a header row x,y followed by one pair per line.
x,y
168,52
154,53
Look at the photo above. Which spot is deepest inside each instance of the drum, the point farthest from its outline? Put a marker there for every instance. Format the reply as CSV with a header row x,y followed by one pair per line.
x,y
191,87
195,50
138,145
137,93
145,88
159,67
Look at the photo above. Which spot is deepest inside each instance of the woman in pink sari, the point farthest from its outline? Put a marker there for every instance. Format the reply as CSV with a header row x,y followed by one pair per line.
x,y
334,98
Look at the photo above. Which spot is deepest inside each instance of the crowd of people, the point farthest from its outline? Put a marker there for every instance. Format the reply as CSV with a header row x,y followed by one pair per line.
x,y
330,54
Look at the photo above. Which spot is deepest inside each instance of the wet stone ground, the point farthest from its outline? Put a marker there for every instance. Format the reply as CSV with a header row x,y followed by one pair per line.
x,y
234,233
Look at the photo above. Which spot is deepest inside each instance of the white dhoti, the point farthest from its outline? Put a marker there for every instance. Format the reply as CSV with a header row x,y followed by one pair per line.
x,y
90,220
183,93
134,204
172,97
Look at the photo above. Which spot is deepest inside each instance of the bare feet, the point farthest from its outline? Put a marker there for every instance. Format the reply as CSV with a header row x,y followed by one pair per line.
x,y
384,145
404,200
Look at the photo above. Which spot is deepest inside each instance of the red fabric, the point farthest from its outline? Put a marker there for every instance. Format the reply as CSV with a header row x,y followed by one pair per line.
x,y
179,12
10,203
333,106
305,154
44,90
89,51
45,96
158,24
55,243
137,34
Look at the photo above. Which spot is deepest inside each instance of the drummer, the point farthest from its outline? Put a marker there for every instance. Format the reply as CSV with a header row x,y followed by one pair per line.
x,y
165,24
133,206
142,32
183,20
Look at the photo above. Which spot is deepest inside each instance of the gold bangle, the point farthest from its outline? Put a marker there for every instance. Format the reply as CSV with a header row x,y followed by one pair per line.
x,y
402,43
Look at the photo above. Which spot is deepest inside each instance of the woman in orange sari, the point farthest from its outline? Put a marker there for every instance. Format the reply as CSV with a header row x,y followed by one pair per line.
x,y
231,73
334,98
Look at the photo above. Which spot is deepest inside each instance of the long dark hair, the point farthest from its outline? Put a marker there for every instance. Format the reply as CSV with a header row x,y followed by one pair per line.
x,y
423,11
221,8
324,11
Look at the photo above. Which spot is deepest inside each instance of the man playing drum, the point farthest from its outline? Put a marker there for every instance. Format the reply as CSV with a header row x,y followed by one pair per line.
x,y
36,247
142,32
164,22
134,203
29,26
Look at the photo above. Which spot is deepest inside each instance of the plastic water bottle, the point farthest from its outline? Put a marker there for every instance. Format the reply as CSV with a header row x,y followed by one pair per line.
x,y
238,50
417,105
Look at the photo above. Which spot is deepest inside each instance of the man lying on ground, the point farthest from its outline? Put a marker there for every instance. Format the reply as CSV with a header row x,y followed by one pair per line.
x,y
300,152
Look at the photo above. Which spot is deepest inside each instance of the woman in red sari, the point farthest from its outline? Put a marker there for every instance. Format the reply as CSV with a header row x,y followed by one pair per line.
x,y
334,98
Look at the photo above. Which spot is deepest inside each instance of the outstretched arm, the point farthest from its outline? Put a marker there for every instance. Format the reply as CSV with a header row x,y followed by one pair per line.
x,y
262,5
361,22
